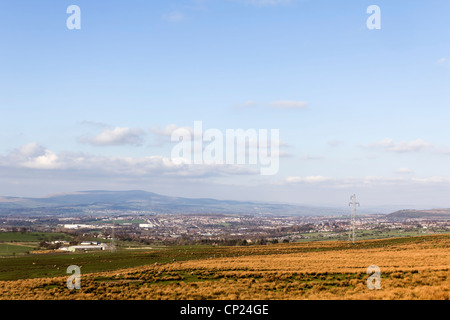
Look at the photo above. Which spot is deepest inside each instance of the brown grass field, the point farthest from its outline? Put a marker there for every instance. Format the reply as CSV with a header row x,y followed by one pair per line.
x,y
415,268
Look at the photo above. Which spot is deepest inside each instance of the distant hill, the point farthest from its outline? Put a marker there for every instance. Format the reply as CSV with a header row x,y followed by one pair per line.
x,y
421,214
82,202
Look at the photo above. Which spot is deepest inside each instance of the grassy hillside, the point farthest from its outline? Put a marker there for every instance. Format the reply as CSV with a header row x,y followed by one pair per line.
x,y
421,214
411,268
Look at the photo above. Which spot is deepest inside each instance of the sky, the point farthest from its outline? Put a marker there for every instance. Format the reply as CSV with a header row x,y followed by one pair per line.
x,y
358,110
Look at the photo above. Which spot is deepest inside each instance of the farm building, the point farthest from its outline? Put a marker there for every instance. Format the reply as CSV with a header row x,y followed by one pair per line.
x,y
87,248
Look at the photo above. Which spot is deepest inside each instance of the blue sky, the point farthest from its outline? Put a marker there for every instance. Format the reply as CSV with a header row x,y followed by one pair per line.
x,y
93,108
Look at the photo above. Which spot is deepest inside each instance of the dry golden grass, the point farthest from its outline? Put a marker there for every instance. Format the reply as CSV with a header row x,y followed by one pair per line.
x,y
327,270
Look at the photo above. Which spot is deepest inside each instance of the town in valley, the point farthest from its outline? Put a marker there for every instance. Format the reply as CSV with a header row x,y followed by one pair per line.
x,y
101,231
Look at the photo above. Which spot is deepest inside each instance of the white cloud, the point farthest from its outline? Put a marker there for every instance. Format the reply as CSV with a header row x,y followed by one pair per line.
x,y
34,156
30,150
431,180
380,180
168,130
442,60
309,179
164,135
289,104
116,137
400,147
363,182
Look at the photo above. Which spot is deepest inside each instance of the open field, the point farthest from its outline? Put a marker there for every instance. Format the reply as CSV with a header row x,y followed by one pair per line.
x,y
32,236
22,243
12,249
411,268
370,234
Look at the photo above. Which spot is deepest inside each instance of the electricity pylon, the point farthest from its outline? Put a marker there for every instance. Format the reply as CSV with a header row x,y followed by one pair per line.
x,y
113,247
353,204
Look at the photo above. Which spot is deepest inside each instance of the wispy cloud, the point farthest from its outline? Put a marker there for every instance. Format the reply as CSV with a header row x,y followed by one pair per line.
x,y
247,104
288,104
443,150
443,62
362,182
94,124
390,145
308,179
310,157
115,137
404,171
334,143
431,180
168,130
165,134
174,16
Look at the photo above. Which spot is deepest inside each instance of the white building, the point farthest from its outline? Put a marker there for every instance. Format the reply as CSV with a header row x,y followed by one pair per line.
x,y
146,225
78,226
90,243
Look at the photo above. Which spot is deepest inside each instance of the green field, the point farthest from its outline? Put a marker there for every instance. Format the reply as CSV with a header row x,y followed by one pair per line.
x,y
32,236
55,264
18,243
9,249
